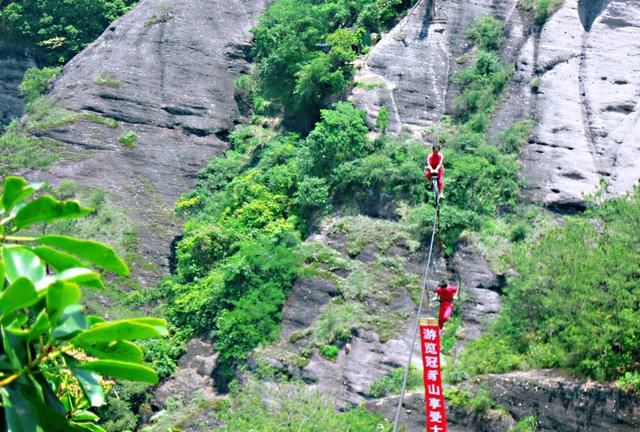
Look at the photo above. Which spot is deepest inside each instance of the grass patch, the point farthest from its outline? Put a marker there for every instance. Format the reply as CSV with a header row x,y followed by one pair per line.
x,y
542,9
367,85
35,82
129,140
108,79
163,14
98,119
362,231
525,424
294,408
480,403
391,383
330,352
44,114
18,151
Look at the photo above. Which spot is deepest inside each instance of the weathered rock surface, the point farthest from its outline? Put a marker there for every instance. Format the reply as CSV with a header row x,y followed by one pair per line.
x,y
589,71
588,81
164,71
414,64
193,376
560,404
563,404
14,61
348,378
479,293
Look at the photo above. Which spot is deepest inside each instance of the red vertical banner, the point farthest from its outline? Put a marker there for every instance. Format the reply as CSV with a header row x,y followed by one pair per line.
x,y
433,395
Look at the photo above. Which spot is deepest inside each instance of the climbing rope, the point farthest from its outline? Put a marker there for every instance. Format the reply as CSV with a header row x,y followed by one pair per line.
x,y
417,325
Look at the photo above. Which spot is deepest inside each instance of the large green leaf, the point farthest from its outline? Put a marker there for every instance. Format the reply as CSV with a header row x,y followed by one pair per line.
x,y
88,426
15,190
73,322
20,294
13,347
25,411
88,250
48,209
122,370
60,295
58,260
83,416
19,261
128,329
119,350
19,414
90,386
78,275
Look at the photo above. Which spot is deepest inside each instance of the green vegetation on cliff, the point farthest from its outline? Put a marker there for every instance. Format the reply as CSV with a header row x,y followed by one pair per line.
x,y
304,51
237,260
574,304
60,29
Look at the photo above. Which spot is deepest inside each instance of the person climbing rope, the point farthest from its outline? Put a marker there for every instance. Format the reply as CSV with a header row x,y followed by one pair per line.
x,y
435,165
446,294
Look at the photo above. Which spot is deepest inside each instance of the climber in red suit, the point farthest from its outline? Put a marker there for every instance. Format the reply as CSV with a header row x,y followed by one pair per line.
x,y
435,165
446,295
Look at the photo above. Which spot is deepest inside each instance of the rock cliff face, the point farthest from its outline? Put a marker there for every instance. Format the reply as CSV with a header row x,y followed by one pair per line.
x,y
586,60
372,354
559,403
578,76
165,71
14,61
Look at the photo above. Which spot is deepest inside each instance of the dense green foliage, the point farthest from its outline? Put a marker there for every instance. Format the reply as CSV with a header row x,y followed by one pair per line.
x,y
35,82
60,28
391,383
304,49
542,9
52,354
20,151
236,261
486,32
295,409
558,314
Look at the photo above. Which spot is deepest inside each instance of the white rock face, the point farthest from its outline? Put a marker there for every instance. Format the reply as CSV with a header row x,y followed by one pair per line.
x,y
166,72
587,59
589,119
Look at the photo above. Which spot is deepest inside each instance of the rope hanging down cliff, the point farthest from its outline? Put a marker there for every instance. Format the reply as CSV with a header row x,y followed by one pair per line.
x,y
436,224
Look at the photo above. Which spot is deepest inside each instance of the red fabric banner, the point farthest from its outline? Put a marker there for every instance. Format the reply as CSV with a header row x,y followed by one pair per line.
x,y
433,395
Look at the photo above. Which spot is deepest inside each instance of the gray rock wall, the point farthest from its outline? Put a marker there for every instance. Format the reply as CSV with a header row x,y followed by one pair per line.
x,y
585,59
559,403
14,61
166,72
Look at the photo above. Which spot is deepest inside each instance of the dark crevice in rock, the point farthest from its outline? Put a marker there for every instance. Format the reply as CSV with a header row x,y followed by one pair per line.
x,y
200,132
175,110
574,175
223,135
542,69
566,207
622,108
173,255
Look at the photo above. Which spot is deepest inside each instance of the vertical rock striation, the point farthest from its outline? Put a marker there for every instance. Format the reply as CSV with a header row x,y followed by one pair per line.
x,y
589,71
578,75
